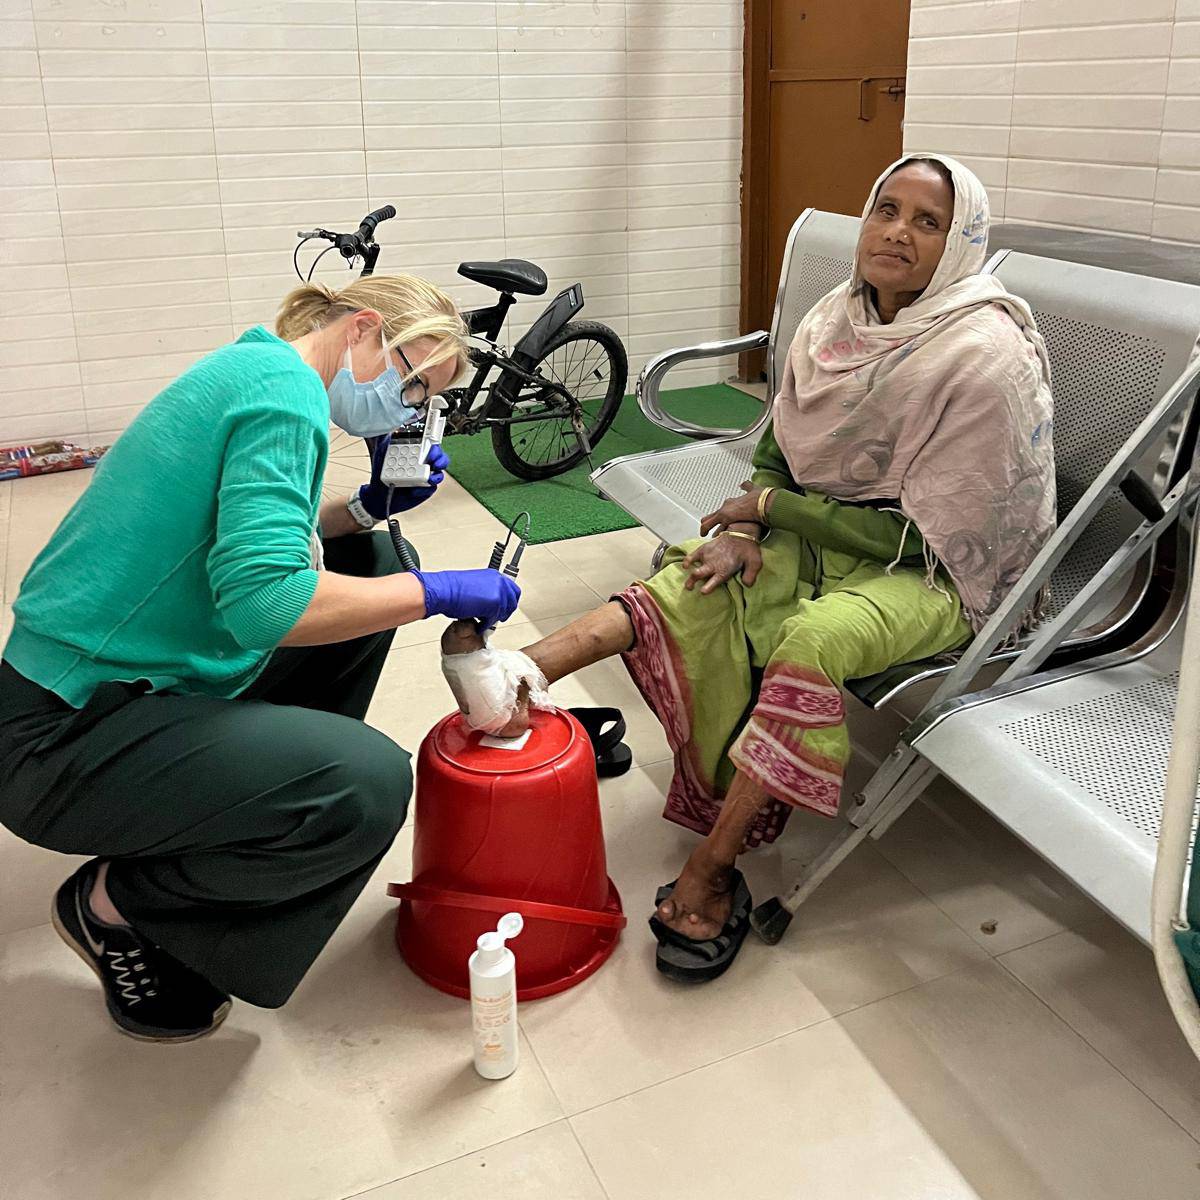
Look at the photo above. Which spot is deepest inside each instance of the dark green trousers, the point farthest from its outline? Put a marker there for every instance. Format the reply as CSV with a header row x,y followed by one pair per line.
x,y
239,831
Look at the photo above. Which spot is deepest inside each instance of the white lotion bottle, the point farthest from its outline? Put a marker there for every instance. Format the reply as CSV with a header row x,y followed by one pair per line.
x,y
493,973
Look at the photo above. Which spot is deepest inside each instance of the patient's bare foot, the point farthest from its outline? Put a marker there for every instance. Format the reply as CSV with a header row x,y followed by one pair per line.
x,y
463,637
597,635
702,900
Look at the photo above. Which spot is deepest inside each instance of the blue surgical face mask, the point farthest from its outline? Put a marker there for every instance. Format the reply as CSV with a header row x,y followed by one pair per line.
x,y
372,408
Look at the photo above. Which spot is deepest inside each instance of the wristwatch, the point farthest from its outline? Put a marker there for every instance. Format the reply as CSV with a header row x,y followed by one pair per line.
x,y
359,512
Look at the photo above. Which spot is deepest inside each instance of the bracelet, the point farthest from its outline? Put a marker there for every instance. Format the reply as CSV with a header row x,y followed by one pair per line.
x,y
748,537
763,497
359,512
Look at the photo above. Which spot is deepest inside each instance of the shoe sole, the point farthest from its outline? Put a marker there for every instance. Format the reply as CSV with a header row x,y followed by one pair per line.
x,y
64,933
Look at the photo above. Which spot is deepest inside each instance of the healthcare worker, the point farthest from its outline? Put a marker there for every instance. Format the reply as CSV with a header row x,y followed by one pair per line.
x,y
183,692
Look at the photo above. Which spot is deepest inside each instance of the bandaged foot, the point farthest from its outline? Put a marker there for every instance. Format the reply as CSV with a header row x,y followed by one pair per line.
x,y
494,688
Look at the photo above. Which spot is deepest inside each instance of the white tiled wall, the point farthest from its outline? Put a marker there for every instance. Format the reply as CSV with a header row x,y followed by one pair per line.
x,y
1083,113
158,156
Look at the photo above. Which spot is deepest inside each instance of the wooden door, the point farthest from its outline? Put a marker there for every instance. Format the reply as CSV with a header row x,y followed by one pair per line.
x,y
824,105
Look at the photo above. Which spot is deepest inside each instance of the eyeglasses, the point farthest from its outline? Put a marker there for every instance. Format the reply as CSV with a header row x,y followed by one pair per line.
x,y
415,380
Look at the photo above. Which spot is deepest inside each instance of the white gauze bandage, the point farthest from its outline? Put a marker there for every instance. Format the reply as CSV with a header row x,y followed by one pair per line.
x,y
485,684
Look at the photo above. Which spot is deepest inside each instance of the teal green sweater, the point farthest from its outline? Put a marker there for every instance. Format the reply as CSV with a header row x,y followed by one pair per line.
x,y
187,559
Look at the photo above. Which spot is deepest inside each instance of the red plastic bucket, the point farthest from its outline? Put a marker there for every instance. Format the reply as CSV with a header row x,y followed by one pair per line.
x,y
501,830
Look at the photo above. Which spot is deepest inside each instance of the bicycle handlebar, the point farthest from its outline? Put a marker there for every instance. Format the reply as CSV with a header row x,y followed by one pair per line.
x,y
350,246
353,243
366,229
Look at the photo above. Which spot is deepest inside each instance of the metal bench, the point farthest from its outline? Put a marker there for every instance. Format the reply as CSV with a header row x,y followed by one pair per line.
x,y
1115,341
1120,347
1074,761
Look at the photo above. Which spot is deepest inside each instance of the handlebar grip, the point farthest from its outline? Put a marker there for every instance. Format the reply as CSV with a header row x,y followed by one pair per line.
x,y
367,229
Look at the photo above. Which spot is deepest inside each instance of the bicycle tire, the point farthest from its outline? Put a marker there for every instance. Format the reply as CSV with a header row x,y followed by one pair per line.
x,y
515,448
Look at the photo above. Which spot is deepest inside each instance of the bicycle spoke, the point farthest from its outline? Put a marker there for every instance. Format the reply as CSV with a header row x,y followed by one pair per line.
x,y
583,368
348,465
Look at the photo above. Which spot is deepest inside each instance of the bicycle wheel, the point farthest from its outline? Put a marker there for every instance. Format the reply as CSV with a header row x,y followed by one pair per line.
x,y
349,465
587,359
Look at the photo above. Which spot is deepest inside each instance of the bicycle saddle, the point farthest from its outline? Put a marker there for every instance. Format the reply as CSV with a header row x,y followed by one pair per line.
x,y
507,275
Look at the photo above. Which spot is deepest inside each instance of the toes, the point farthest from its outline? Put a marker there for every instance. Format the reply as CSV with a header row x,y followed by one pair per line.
x,y
666,910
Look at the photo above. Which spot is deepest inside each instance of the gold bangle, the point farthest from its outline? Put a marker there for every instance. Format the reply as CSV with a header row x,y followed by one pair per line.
x,y
749,537
763,497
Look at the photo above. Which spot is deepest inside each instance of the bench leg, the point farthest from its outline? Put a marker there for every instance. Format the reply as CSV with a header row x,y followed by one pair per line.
x,y
891,790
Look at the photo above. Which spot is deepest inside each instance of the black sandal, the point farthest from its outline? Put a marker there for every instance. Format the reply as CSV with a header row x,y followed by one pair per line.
x,y
687,960
613,757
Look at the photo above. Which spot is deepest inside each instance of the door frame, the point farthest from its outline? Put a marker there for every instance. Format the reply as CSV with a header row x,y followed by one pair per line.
x,y
756,115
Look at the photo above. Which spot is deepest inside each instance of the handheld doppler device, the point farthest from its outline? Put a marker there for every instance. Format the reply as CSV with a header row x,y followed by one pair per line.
x,y
404,463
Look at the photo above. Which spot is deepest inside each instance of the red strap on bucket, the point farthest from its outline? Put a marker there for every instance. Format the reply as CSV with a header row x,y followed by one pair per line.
x,y
496,904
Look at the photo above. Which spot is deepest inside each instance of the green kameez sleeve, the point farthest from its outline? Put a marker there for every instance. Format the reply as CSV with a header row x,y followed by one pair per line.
x,y
834,524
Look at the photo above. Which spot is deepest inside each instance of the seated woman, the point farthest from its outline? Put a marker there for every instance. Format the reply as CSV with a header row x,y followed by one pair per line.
x,y
905,484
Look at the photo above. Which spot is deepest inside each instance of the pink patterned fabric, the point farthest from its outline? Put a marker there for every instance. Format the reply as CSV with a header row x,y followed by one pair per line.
x,y
774,756
798,695
770,748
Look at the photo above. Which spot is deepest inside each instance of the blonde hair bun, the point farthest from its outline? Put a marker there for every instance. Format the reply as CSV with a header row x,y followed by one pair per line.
x,y
411,308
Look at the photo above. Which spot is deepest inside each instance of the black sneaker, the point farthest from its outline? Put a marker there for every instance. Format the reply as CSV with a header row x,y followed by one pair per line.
x,y
150,995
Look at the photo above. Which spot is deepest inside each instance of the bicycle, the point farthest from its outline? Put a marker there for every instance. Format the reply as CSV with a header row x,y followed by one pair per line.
x,y
559,387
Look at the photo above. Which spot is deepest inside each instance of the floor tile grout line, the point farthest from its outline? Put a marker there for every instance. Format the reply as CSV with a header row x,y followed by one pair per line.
x,y
953,921
960,926
1037,941
536,1058
831,1018
588,1159
1094,1048
7,933
448,1161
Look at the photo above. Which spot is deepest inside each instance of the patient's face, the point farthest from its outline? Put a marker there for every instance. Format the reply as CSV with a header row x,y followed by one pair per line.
x,y
902,240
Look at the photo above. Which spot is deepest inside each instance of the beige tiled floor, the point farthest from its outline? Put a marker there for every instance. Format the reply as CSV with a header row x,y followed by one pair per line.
x,y
888,1048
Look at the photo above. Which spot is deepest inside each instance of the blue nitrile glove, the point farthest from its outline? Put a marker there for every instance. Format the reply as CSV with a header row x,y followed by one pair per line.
x,y
481,595
374,495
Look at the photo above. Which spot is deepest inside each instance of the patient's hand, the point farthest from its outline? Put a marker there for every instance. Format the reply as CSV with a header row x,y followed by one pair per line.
x,y
715,562
735,511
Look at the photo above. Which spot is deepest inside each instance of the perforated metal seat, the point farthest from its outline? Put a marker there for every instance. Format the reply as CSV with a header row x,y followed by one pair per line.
x,y
1073,761
668,491
1106,378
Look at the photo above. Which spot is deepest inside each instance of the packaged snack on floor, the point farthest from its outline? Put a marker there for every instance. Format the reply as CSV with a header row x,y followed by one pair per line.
x,y
44,458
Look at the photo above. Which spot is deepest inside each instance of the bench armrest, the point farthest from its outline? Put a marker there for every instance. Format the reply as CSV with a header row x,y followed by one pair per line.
x,y
650,381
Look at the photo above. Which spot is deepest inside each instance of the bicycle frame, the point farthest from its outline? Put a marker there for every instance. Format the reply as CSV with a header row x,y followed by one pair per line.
x,y
487,324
